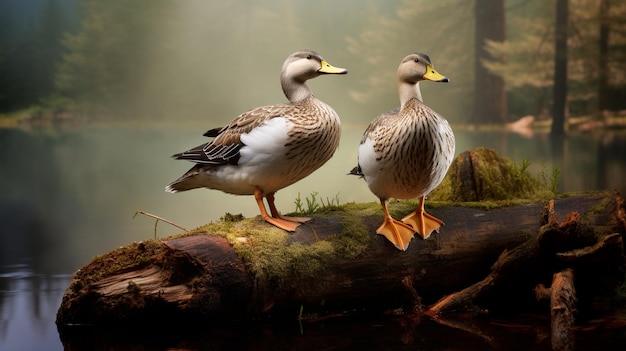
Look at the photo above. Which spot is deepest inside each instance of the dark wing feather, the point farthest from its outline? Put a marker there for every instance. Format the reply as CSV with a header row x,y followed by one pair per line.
x,y
224,149
213,132
356,171
211,153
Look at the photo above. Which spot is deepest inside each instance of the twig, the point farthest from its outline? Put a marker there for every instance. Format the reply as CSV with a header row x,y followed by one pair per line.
x,y
415,300
159,219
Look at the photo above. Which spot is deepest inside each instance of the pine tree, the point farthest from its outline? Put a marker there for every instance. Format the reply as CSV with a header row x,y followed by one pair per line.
x,y
489,93
28,58
530,51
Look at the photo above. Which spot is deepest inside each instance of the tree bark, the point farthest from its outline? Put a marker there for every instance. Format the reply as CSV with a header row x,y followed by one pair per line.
x,y
560,69
563,310
202,276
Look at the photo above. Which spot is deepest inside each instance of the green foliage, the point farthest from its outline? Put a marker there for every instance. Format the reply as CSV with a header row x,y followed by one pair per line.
x,y
30,49
385,38
525,61
312,204
107,60
229,217
122,58
551,180
330,202
187,59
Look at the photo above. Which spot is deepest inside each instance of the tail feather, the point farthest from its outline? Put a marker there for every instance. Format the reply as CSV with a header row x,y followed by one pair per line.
x,y
171,188
356,171
181,184
189,180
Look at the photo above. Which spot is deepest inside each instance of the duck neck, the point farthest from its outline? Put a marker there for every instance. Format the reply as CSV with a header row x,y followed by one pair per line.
x,y
294,90
408,91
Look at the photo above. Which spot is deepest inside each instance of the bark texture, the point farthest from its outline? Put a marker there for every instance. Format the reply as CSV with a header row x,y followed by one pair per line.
x,y
203,276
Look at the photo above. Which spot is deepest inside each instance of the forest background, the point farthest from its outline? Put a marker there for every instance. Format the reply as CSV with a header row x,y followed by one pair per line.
x,y
165,60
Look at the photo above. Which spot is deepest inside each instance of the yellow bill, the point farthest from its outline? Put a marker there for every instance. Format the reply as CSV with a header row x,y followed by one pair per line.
x,y
432,74
330,69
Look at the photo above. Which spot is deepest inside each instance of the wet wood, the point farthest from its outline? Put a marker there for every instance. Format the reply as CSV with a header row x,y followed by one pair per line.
x,y
563,310
554,245
201,277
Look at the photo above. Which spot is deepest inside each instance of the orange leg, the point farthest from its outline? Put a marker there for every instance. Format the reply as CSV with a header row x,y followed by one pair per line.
x,y
423,222
279,222
397,232
276,214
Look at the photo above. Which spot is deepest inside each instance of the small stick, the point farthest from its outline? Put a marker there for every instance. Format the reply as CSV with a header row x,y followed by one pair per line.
x,y
563,310
416,301
159,219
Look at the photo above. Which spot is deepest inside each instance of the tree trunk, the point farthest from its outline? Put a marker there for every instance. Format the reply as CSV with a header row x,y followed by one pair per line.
x,y
560,69
603,67
489,92
208,277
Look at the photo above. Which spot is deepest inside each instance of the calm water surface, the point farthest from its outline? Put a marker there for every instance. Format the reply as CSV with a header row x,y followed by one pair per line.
x,y
68,195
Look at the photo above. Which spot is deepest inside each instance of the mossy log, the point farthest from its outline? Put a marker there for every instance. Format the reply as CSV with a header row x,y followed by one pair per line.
x,y
211,276
232,271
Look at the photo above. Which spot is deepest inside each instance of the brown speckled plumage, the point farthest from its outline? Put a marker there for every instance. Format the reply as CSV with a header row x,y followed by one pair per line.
x,y
268,148
416,145
405,153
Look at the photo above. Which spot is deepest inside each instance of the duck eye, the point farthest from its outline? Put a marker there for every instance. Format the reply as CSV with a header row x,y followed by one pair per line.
x,y
417,60
308,57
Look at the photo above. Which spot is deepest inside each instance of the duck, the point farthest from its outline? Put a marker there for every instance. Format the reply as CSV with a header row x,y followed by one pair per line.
x,y
270,147
406,152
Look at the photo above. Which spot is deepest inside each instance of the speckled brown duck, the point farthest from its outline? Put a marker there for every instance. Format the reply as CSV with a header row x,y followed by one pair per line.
x,y
271,147
405,153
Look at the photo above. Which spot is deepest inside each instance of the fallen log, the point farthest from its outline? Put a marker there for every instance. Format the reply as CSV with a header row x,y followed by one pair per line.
x,y
233,271
244,269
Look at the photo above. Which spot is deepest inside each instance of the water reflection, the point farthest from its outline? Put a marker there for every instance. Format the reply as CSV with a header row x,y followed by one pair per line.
x,y
349,333
356,332
28,304
68,195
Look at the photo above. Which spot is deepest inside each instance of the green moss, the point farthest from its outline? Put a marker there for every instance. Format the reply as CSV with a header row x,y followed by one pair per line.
x,y
363,208
480,175
123,258
272,256
355,237
600,229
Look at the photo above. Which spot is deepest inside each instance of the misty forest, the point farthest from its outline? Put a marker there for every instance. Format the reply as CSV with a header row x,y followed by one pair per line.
x,y
95,97
118,60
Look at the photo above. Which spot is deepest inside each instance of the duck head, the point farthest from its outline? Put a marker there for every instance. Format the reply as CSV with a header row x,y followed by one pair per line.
x,y
418,66
413,69
301,66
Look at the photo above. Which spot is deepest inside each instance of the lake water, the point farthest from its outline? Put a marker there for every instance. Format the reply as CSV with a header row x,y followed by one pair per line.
x,y
67,195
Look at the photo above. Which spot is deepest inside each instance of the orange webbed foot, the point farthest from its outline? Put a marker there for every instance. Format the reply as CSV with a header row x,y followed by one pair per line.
x,y
423,223
398,233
